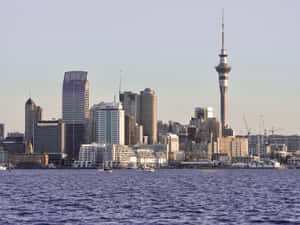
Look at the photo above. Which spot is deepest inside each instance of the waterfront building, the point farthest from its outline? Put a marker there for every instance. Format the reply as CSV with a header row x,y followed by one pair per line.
x,y
38,160
110,123
3,156
49,137
13,143
75,110
33,114
2,131
121,156
91,155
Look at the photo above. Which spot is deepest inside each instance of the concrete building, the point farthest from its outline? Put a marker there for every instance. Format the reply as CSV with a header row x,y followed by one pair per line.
x,y
49,137
110,123
148,114
33,114
2,131
223,70
138,134
233,146
75,110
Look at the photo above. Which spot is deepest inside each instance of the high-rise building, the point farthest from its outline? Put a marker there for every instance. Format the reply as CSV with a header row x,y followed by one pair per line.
x,y
148,114
143,109
92,125
110,123
130,102
2,131
75,110
49,137
223,69
33,114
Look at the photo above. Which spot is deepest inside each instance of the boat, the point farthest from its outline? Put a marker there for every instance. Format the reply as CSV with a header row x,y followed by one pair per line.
x,y
149,169
3,168
109,170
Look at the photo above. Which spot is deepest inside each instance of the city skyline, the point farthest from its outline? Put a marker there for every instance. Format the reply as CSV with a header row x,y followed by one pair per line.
x,y
263,81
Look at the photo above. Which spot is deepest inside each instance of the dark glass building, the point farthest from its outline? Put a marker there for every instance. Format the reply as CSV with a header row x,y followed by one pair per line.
x,y
75,110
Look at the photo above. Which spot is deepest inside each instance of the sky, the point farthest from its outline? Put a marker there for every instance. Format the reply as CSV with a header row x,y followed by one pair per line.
x,y
171,46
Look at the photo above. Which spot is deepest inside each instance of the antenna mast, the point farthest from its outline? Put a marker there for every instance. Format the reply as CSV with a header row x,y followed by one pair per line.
x,y
120,84
223,29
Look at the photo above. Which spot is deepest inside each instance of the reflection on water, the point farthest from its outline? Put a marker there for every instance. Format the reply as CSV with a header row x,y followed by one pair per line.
x,y
137,197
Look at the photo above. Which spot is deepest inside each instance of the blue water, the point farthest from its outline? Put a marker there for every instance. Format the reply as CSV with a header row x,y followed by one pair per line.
x,y
139,197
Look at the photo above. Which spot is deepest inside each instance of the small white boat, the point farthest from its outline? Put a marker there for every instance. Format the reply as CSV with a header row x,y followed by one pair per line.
x,y
3,168
149,169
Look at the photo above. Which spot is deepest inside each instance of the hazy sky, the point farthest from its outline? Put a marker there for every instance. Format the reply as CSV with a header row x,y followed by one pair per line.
x,y
171,46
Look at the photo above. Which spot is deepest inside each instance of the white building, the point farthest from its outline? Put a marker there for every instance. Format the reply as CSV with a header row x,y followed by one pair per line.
x,y
121,156
110,123
90,155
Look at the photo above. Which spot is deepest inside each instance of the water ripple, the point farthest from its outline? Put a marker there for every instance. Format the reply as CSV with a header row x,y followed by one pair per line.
x,y
164,197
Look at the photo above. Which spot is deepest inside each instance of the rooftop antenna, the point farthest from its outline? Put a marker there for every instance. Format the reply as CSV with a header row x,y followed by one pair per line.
x,y
120,84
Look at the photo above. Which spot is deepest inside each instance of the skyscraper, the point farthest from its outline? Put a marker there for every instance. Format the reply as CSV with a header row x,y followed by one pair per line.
x,y
223,69
130,102
143,109
33,114
148,114
110,123
75,110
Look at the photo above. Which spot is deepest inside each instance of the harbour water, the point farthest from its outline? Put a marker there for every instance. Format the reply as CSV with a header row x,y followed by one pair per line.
x,y
187,196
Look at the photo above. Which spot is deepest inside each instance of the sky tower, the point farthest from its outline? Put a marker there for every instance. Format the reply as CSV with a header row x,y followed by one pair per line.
x,y
223,69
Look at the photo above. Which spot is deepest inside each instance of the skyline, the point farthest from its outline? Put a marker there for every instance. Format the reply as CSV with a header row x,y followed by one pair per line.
x,y
181,53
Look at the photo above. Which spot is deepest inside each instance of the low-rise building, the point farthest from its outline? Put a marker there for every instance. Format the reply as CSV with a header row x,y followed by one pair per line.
x,y
37,160
90,155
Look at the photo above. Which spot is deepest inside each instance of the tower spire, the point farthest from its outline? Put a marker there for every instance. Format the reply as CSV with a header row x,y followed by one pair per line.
x,y
223,29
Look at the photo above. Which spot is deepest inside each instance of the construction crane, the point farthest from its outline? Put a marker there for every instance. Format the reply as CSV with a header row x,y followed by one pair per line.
x,y
273,130
246,125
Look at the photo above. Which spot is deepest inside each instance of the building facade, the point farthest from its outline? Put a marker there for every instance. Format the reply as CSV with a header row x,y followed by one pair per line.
x,y
110,123
75,110
33,114
49,137
148,114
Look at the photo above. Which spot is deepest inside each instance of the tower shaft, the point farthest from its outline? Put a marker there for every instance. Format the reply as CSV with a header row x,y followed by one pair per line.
x,y
223,70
